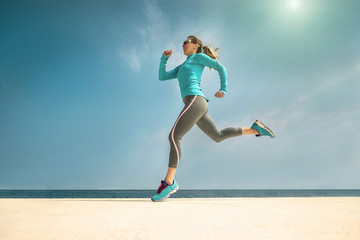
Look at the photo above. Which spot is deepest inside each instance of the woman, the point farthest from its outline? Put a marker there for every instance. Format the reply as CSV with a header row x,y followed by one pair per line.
x,y
195,110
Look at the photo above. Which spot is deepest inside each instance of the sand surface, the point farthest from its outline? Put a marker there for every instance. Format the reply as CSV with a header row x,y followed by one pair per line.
x,y
234,218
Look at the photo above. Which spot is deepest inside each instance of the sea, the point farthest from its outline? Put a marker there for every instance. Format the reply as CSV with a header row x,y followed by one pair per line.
x,y
231,193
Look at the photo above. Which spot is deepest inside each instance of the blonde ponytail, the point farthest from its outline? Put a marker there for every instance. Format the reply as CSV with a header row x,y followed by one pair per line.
x,y
204,48
209,51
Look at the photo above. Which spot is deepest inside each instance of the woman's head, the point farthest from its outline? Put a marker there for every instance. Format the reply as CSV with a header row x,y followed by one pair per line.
x,y
190,46
193,44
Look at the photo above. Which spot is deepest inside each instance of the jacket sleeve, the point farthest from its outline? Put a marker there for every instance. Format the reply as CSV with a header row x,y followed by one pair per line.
x,y
163,74
214,64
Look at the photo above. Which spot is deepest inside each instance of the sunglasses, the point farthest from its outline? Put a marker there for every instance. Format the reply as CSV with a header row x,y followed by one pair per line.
x,y
188,41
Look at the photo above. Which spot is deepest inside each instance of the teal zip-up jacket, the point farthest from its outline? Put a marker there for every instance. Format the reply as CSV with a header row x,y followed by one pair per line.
x,y
189,73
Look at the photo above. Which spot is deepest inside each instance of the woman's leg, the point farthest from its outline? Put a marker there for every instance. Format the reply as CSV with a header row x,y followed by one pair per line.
x,y
170,175
195,108
207,125
249,130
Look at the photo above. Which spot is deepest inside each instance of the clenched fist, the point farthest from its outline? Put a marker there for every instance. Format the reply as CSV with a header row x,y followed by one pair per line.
x,y
168,53
219,94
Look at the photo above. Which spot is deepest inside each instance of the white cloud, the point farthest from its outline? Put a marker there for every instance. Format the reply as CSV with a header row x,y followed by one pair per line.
x,y
132,58
296,110
156,35
156,27
150,34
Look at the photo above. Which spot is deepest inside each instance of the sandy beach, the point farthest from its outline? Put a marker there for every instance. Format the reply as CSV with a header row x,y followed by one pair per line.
x,y
232,218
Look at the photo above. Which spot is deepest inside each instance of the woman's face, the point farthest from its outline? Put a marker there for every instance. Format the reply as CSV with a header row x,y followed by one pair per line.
x,y
189,47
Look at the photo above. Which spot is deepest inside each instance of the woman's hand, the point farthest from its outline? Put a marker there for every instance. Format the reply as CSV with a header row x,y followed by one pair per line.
x,y
219,94
168,53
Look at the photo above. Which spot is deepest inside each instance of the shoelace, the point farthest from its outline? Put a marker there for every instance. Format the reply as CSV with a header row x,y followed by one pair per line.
x,y
162,187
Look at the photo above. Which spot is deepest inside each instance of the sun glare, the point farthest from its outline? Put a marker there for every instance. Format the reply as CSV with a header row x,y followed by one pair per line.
x,y
294,4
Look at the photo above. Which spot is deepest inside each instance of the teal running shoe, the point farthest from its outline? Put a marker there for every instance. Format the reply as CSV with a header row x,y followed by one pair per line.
x,y
262,129
164,191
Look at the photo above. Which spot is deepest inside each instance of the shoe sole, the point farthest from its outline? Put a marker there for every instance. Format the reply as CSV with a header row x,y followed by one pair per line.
x,y
265,127
167,196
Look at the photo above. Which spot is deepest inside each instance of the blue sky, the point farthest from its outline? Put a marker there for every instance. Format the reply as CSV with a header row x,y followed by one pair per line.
x,y
81,106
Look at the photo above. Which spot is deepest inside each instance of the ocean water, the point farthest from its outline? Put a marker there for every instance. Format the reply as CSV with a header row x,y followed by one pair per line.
x,y
179,194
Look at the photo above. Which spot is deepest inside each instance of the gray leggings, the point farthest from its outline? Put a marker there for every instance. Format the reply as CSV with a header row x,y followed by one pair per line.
x,y
195,112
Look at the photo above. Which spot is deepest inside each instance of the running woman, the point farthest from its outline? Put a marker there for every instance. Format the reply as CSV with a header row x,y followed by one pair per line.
x,y
195,110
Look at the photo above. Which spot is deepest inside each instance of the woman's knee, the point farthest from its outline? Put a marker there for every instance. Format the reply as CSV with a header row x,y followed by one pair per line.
x,y
217,137
173,137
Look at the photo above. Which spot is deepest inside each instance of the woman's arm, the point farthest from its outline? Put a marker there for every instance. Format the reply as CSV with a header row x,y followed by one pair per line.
x,y
163,74
214,64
